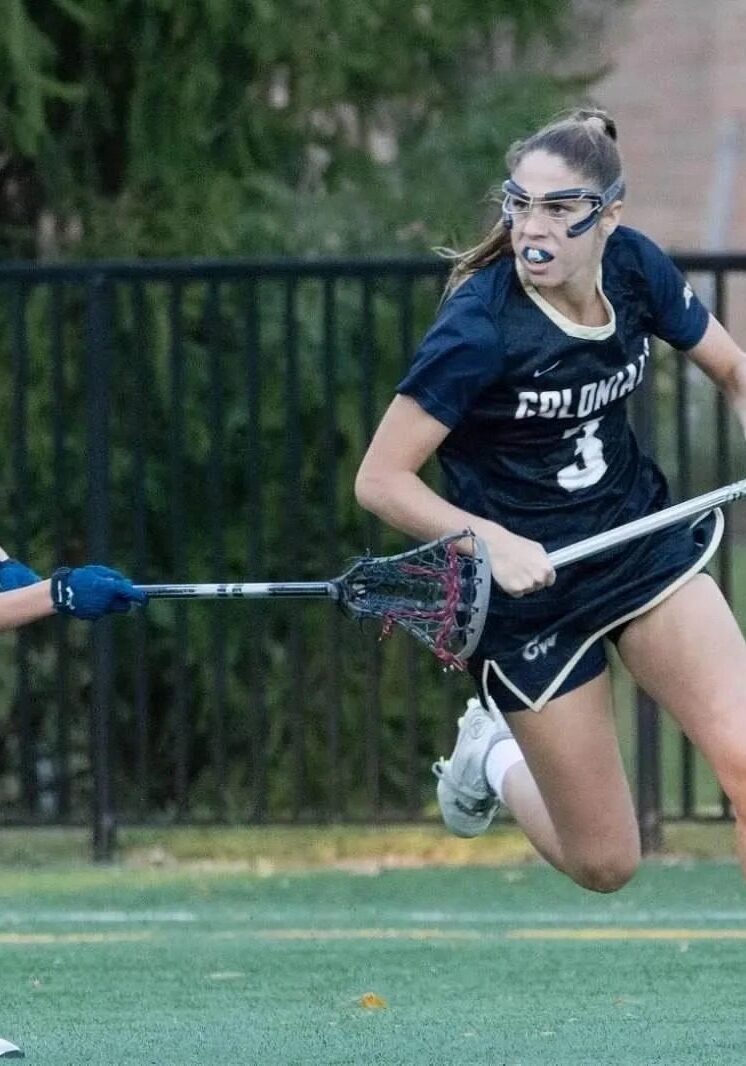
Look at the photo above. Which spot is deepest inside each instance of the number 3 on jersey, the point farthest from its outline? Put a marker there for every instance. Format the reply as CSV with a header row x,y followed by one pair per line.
x,y
591,465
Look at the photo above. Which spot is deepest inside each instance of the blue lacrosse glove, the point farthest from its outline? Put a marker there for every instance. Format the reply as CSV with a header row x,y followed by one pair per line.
x,y
89,592
15,575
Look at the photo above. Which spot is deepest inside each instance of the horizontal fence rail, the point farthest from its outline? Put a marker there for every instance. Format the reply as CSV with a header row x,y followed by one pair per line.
x,y
203,421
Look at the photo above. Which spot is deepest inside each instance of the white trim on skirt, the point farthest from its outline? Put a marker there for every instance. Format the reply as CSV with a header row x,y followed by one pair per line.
x,y
546,695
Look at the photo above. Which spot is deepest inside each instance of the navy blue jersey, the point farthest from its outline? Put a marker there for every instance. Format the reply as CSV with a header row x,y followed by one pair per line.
x,y
540,443
536,404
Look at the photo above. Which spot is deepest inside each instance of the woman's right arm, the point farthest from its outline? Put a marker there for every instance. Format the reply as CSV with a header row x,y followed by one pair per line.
x,y
389,485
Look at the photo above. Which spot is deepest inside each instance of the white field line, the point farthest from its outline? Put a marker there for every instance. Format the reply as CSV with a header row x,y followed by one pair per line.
x,y
74,938
95,917
316,916
480,936
700,915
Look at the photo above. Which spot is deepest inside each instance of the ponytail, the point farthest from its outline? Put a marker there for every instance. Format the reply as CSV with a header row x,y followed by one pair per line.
x,y
495,244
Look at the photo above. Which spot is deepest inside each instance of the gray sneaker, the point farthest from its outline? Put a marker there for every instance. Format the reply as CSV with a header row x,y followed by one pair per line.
x,y
466,801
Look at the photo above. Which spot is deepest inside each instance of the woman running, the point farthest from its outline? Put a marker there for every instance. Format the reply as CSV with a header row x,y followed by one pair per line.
x,y
521,387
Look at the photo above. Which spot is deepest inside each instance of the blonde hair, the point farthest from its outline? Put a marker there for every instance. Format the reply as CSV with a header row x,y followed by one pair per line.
x,y
585,138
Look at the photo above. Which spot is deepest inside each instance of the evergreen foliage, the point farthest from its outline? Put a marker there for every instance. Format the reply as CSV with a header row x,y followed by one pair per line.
x,y
217,127
158,128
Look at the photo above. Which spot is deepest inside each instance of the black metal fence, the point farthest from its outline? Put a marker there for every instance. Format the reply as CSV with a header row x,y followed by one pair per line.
x,y
203,421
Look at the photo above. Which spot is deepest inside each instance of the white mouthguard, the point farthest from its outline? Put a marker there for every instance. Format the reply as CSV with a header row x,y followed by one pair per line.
x,y
537,255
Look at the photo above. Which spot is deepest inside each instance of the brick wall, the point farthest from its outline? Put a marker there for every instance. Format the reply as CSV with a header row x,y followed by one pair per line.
x,y
678,92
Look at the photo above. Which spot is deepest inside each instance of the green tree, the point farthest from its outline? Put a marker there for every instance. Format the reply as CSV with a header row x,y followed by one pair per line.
x,y
159,127
223,127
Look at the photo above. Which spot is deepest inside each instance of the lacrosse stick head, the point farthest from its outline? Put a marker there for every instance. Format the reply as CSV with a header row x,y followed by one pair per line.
x,y
438,593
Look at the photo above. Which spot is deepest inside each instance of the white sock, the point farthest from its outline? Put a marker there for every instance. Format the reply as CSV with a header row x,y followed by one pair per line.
x,y
503,755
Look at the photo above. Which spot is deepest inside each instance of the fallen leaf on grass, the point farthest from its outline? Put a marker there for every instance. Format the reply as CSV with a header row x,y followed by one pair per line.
x,y
371,1001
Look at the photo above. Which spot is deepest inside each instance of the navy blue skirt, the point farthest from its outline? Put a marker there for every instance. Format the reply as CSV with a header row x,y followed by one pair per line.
x,y
546,643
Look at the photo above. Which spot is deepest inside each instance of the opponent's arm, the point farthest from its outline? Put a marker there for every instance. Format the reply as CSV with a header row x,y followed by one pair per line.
x,y
86,592
20,606
718,355
15,575
389,485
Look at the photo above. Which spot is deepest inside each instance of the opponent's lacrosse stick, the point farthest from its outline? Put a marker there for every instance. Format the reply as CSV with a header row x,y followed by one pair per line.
x,y
434,592
437,594
669,516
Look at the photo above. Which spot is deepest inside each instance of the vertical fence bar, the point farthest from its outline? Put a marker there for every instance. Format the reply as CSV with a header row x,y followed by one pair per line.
x,y
255,548
181,723
723,463
684,463
411,686
723,477
139,423
334,798
648,774
61,670
217,545
294,520
373,688
648,725
19,454
98,374
445,727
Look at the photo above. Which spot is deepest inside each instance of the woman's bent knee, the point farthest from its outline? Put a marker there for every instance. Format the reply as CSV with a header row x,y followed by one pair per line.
x,y
605,874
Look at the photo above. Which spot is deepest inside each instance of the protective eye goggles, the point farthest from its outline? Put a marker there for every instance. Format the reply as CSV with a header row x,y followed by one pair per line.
x,y
563,206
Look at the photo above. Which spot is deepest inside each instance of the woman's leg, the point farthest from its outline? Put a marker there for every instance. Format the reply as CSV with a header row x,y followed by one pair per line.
x,y
571,796
690,656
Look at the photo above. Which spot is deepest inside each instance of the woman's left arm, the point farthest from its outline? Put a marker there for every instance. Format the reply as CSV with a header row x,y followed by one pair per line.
x,y
718,355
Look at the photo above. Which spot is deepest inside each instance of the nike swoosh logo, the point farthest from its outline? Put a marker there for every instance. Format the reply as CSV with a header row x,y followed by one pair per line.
x,y
538,373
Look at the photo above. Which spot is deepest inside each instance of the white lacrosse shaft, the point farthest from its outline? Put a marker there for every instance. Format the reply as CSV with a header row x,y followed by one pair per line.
x,y
247,590
573,553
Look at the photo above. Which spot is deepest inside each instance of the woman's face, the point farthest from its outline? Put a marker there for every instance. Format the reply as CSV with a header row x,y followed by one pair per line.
x,y
539,231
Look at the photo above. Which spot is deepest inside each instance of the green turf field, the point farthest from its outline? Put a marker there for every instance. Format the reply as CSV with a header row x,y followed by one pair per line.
x,y
508,965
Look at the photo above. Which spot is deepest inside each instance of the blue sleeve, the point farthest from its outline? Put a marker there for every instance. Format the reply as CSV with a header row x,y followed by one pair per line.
x,y
459,356
678,316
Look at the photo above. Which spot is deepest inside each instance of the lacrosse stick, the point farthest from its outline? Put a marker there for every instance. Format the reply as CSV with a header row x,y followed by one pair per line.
x,y
436,593
669,516
433,592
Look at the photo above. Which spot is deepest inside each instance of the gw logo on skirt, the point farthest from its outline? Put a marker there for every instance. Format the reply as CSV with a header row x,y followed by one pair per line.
x,y
534,648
